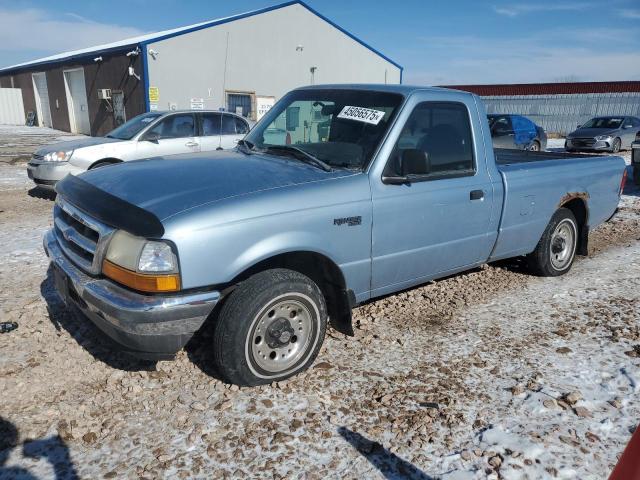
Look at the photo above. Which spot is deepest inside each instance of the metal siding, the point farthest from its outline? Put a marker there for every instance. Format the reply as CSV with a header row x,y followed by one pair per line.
x,y
562,113
11,107
193,65
568,88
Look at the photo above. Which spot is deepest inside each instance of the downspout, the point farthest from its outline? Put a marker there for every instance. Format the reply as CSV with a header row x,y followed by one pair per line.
x,y
145,76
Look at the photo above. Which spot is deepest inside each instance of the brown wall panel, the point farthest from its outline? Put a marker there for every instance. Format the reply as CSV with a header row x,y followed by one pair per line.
x,y
25,83
112,72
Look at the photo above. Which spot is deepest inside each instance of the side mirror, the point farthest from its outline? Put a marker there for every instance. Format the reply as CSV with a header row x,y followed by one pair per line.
x,y
151,137
578,126
414,162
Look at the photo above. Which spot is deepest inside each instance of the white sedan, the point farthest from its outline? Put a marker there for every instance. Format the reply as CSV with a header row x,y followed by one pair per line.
x,y
148,135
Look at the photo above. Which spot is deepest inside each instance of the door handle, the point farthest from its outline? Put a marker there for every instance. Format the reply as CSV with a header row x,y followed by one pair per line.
x,y
191,144
476,195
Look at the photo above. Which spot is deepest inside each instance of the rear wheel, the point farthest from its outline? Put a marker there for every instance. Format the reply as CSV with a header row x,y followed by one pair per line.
x,y
617,143
271,328
556,250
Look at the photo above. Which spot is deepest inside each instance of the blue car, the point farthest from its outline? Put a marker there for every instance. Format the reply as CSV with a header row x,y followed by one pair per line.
x,y
517,132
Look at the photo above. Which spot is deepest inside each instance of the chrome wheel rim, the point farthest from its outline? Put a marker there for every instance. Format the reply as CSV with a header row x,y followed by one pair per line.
x,y
534,147
563,242
281,334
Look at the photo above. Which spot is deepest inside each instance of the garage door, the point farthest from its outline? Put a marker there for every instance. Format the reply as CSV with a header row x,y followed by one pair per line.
x,y
77,101
41,92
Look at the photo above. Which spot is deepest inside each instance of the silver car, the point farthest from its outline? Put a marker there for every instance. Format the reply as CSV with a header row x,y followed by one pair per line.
x,y
613,133
148,135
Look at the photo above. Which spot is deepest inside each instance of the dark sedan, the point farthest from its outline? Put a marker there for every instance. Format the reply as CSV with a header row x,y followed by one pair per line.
x,y
604,133
516,131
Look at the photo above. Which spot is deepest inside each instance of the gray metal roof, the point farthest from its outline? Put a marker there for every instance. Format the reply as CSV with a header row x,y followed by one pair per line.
x,y
162,35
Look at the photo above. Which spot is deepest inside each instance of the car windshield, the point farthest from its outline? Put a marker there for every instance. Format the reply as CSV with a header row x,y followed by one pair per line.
x,y
604,122
129,129
341,128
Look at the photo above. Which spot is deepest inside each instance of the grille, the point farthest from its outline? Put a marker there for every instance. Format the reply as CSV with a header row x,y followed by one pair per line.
x,y
583,142
35,156
82,238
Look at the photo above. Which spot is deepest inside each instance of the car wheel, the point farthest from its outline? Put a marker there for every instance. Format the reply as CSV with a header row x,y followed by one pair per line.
x,y
617,143
535,146
270,328
556,250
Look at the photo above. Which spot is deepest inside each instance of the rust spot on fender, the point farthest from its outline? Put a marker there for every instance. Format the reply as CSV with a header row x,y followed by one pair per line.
x,y
584,196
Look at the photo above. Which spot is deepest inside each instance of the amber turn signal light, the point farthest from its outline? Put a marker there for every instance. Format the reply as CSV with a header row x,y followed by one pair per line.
x,y
143,282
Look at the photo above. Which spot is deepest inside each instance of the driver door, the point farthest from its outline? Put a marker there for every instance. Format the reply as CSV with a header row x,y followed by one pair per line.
x,y
438,223
172,135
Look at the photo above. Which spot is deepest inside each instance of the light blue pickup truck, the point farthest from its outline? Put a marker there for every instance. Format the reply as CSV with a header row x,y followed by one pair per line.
x,y
372,190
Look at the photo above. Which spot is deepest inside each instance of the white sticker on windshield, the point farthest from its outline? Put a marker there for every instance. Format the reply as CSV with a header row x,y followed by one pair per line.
x,y
361,114
148,119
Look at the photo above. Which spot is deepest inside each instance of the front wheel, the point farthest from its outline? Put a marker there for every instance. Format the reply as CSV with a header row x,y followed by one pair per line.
x,y
534,147
271,328
556,250
617,143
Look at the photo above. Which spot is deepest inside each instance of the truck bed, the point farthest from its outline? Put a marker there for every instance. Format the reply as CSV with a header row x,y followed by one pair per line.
x,y
537,183
506,156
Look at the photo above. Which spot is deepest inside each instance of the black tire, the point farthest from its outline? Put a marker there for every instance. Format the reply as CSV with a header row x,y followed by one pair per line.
x,y
636,174
250,338
535,146
547,260
615,147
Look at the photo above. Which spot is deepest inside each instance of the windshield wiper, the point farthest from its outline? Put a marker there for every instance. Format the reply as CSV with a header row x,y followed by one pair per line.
x,y
301,155
245,146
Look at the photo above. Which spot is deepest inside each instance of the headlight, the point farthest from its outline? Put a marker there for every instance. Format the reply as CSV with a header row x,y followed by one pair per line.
x,y
60,156
603,137
145,265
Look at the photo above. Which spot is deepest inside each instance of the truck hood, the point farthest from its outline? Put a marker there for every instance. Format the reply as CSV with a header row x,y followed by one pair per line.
x,y
592,132
166,186
75,144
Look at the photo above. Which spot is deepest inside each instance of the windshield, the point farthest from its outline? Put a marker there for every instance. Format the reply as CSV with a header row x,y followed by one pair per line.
x,y
604,122
129,129
342,128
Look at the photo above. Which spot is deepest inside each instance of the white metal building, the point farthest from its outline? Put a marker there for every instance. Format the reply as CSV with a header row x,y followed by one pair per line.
x,y
246,61
241,63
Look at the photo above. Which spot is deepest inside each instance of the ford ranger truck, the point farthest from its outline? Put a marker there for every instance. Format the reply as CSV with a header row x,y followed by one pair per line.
x,y
373,190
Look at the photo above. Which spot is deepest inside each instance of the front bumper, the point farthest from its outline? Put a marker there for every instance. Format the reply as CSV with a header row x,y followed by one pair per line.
x,y
153,327
589,144
46,174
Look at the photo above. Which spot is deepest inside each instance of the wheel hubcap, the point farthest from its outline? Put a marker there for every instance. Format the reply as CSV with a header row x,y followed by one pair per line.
x,y
281,335
562,245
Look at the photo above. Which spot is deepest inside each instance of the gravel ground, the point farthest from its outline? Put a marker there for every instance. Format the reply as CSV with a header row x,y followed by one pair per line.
x,y
493,373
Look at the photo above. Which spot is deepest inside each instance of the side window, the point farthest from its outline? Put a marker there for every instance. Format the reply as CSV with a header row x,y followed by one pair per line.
x,y
211,124
241,126
175,126
502,125
228,125
436,140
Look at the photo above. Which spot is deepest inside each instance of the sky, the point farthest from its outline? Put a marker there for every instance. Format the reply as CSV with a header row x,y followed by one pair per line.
x,y
437,42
